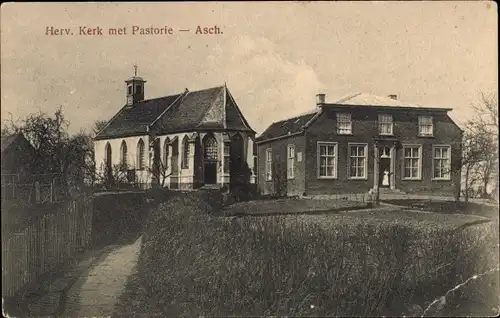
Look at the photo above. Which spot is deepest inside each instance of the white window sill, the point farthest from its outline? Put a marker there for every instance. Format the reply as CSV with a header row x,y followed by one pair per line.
x,y
441,179
411,179
426,136
344,134
358,178
327,177
390,135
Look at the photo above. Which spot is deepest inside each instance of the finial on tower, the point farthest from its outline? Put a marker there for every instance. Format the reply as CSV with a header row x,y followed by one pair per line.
x,y
135,69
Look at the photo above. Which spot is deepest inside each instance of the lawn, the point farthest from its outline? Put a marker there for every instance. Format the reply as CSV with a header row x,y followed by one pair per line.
x,y
291,206
448,207
342,263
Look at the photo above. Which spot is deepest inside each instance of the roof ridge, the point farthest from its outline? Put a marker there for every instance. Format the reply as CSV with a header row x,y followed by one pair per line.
x,y
206,89
348,97
297,116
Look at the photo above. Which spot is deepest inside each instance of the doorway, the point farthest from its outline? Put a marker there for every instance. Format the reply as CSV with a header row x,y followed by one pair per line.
x,y
210,159
385,168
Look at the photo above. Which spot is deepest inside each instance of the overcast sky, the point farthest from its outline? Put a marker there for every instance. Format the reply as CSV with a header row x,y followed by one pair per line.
x,y
275,57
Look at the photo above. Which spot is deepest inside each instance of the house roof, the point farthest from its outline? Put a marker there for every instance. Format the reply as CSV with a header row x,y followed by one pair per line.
x,y
296,124
212,108
364,99
6,141
286,127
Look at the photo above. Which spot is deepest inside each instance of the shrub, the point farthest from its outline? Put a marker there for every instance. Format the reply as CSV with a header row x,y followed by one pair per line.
x,y
193,263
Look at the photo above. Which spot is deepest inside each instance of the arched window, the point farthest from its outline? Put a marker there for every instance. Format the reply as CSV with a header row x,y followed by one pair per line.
x,y
166,148
107,157
123,155
185,153
210,148
141,155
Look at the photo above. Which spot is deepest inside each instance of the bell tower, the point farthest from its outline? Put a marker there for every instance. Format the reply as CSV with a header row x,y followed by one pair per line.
x,y
135,88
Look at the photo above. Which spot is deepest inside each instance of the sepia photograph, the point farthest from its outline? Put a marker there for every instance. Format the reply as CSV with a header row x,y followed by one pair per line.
x,y
250,159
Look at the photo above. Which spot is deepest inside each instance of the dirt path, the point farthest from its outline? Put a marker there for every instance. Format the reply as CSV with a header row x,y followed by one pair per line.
x,y
89,288
96,292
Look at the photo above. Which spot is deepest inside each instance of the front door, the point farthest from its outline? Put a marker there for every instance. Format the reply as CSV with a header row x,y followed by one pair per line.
x,y
210,159
385,172
210,172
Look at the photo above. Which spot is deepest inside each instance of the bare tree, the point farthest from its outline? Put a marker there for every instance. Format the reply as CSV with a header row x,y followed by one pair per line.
x,y
486,120
480,146
98,126
70,158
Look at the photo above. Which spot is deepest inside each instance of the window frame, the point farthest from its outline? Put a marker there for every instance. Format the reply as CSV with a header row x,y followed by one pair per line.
x,y
166,153
269,165
349,159
420,119
123,155
448,178
227,157
185,153
338,116
380,123
420,159
290,161
335,146
141,158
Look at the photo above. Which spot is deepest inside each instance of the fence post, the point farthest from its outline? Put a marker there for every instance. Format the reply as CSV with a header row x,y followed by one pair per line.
x,y
13,188
37,191
51,191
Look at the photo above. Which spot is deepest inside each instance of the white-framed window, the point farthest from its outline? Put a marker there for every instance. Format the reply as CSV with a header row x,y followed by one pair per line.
x,y
412,162
291,161
227,156
425,126
185,153
269,164
141,155
385,124
327,160
344,124
441,162
123,155
358,161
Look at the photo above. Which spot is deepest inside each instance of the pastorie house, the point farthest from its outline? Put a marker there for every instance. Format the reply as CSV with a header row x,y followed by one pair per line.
x,y
359,144
182,141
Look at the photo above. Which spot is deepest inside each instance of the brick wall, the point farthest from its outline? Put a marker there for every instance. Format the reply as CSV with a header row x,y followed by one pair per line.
x,y
289,187
365,128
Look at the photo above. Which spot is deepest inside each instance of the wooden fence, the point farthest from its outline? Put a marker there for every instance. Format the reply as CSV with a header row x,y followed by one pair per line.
x,y
45,244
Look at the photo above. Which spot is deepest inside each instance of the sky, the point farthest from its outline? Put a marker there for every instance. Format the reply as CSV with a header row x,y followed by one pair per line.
x,y
273,56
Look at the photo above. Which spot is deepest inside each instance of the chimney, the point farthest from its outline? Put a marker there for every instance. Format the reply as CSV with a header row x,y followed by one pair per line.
x,y
393,96
320,99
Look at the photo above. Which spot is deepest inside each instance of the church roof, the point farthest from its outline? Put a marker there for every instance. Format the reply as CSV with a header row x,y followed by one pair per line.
x,y
212,108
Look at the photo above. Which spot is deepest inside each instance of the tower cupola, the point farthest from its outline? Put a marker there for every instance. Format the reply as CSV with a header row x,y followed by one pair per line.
x,y
135,88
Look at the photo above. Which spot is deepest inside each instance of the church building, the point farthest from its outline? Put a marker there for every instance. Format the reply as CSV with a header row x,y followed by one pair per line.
x,y
184,141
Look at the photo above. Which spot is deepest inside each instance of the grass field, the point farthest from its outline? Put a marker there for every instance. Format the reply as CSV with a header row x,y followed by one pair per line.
x,y
291,206
449,207
344,264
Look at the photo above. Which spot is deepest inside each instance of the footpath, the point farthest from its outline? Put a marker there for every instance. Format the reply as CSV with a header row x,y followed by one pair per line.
x,y
90,287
